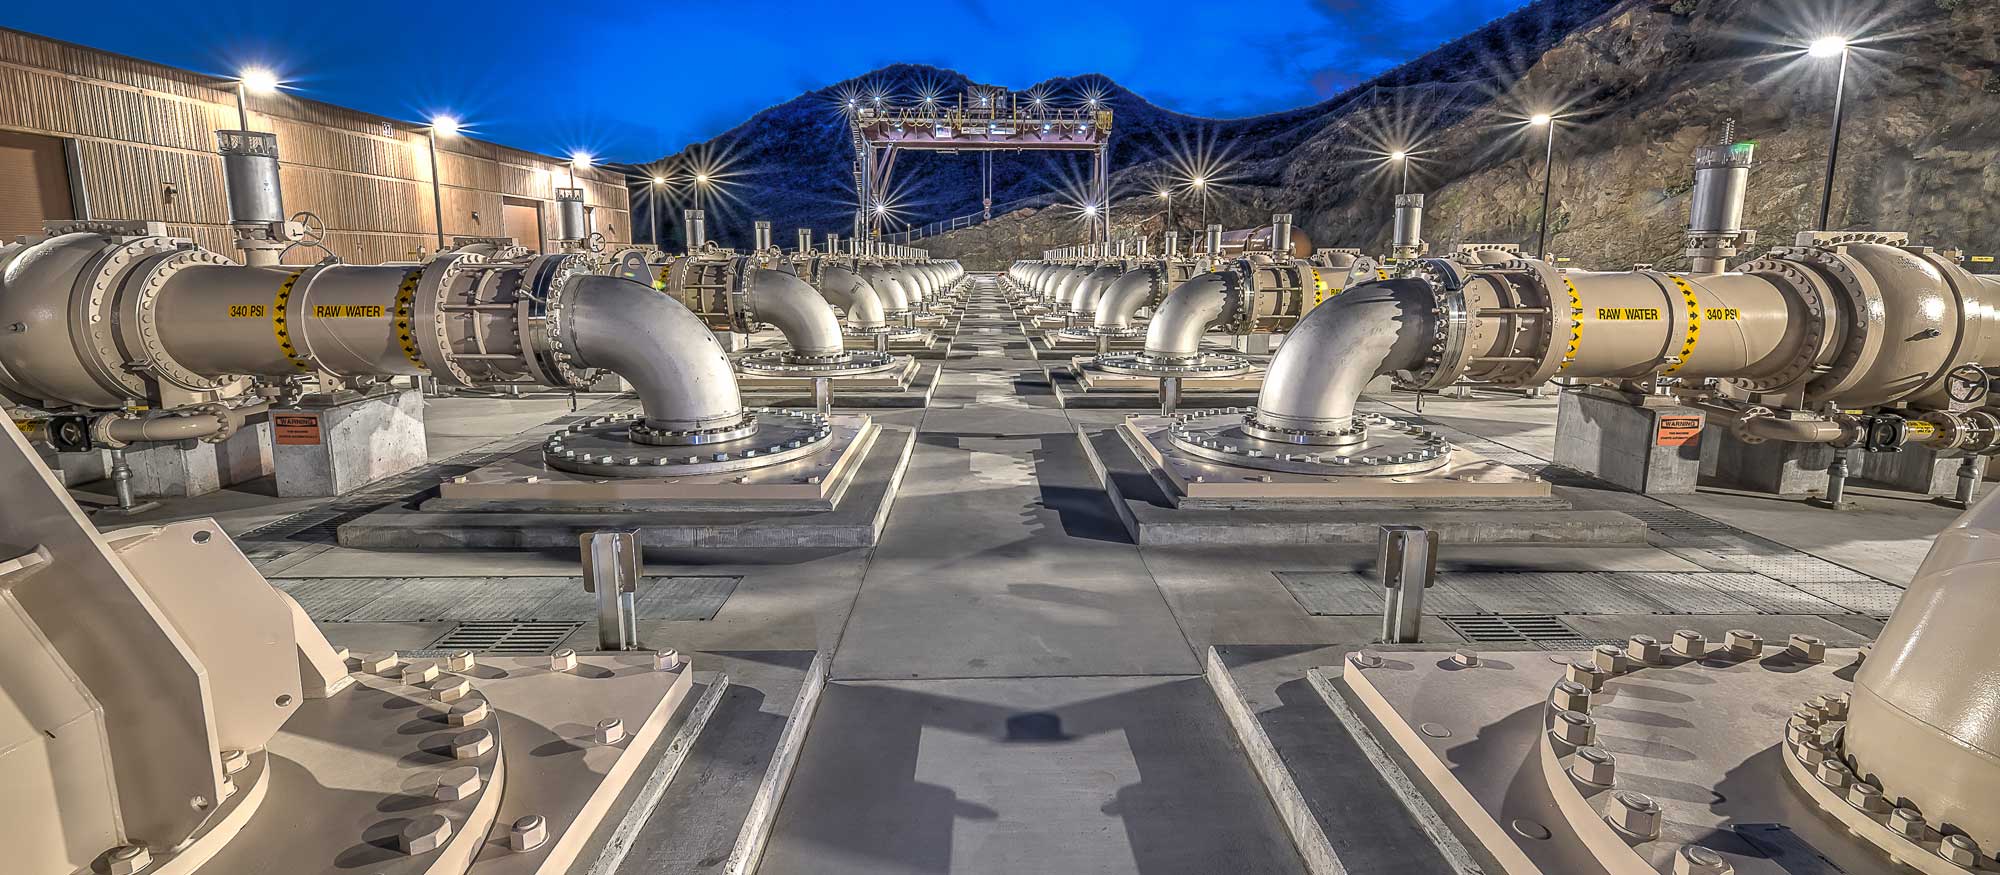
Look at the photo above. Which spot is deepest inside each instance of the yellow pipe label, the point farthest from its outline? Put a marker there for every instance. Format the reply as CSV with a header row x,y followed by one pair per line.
x,y
347,311
1693,323
284,331
406,306
246,311
1575,324
1917,428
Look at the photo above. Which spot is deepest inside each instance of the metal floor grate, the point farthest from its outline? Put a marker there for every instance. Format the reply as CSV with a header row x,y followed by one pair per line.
x,y
527,638
1541,630
498,599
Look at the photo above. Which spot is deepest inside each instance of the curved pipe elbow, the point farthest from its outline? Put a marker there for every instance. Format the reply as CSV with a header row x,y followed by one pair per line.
x,y
852,294
680,373
796,310
895,299
1317,376
1177,327
1091,290
1120,303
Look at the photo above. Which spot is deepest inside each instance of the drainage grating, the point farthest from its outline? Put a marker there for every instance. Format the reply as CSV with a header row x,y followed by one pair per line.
x,y
527,638
496,599
1541,630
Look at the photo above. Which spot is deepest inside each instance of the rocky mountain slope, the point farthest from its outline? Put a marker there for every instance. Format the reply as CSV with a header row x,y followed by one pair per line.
x,y
1640,85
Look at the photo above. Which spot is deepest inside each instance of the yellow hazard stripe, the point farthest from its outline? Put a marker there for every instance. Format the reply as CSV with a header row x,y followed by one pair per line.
x,y
1319,287
281,326
406,310
1694,323
1381,274
1575,324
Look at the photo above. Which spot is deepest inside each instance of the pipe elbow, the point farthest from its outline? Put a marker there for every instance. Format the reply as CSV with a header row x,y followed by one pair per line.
x,y
895,299
1181,320
679,371
848,291
1120,303
1370,330
796,309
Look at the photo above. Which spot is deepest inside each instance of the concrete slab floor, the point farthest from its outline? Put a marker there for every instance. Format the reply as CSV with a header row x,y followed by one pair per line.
x,y
1017,686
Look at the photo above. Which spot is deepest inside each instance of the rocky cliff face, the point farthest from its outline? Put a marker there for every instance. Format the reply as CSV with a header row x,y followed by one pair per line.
x,y
1643,84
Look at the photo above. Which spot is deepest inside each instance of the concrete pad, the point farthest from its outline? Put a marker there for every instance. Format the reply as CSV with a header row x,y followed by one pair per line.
x,y
1071,392
916,392
1012,776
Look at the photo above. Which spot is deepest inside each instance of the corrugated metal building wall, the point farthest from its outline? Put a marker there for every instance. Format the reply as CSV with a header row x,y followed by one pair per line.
x,y
139,143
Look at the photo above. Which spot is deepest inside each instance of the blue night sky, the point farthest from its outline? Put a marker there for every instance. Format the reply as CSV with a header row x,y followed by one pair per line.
x,y
633,82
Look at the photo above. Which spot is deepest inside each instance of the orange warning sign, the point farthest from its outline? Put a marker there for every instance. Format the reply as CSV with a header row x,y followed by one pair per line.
x,y
295,430
1677,431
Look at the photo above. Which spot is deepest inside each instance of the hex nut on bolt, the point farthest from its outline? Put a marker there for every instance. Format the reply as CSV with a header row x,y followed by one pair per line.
x,y
1574,728
458,783
1465,656
1867,797
1833,773
610,730
1908,823
234,761
1635,814
1690,644
1698,860
1594,765
420,673
1960,850
1365,659
1807,647
128,859
1643,649
667,659
380,663
1745,643
423,834
528,833
1570,696
1609,658
450,689
461,661
1586,673
466,712
471,744
562,660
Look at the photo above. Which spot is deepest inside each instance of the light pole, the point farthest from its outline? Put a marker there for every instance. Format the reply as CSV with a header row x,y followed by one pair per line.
x,y
1830,47
440,126
1402,158
659,185
1200,184
1166,196
1544,120
253,80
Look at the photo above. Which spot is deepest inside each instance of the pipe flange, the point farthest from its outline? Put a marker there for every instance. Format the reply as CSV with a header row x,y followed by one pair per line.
x,y
1354,432
555,363
420,313
782,363
1092,332
1387,448
895,332
94,311
1242,296
608,446
642,433
1442,362
140,315
1864,327
1210,365
1813,297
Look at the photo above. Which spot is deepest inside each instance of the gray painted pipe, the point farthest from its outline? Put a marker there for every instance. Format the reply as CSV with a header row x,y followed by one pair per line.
x,y
680,373
1176,329
1083,299
895,299
796,310
1121,301
1372,329
848,291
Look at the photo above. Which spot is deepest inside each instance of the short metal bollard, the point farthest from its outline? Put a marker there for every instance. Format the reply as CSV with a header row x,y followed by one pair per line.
x,y
1408,565
1170,395
823,395
611,564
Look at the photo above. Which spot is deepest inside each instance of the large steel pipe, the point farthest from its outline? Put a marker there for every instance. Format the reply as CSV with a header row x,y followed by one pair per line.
x,y
1329,357
895,298
1924,724
796,310
1121,301
1083,297
853,295
1177,326
679,371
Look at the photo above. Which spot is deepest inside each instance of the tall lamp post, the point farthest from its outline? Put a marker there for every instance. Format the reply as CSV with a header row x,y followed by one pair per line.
x,y
1200,184
659,185
1544,120
440,126
1402,160
1166,196
253,80
1832,47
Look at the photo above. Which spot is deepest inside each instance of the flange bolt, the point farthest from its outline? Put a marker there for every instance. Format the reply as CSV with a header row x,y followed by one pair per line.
x,y
1960,850
128,859
1689,644
1867,797
1745,643
458,783
610,730
1643,650
423,834
562,660
1609,658
1698,860
1908,823
471,744
1634,814
1465,657
1574,728
1570,696
1806,647
1594,765
1585,673
528,833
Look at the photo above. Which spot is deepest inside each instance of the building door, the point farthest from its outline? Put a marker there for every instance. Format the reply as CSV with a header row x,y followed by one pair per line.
x,y
522,220
34,184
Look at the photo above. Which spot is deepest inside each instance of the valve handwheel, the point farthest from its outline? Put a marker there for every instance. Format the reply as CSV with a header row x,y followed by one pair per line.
x,y
1968,383
311,229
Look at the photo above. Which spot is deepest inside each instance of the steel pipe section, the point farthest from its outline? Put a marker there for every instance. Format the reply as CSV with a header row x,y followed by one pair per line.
x,y
846,289
895,297
1090,284
1924,722
796,309
1316,378
680,373
1175,333
1119,305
